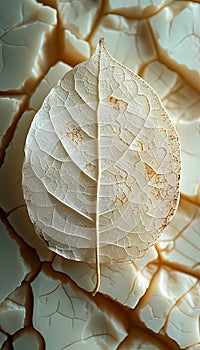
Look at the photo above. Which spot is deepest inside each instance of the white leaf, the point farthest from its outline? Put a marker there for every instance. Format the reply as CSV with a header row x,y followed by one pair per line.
x,y
102,164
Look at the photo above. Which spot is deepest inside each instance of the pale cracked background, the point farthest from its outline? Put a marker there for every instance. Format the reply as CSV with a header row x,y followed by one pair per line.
x,y
152,303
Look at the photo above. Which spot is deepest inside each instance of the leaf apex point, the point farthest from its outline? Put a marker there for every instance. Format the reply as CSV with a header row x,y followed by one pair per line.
x,y
101,41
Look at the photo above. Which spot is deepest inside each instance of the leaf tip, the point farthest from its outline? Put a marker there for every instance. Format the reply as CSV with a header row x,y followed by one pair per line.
x,y
100,48
101,41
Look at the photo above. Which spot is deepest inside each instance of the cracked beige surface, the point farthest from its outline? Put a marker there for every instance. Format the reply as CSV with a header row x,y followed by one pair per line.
x,y
152,302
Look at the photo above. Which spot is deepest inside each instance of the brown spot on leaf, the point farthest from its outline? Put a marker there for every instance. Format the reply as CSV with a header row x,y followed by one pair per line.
x,y
162,130
92,169
149,171
121,199
118,104
75,134
140,146
157,193
159,178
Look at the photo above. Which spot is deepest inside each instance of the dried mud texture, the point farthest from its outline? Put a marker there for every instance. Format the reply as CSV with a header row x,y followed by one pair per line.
x,y
149,303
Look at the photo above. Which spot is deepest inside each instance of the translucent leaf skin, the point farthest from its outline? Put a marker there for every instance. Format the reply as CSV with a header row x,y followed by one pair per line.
x,y
102,164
